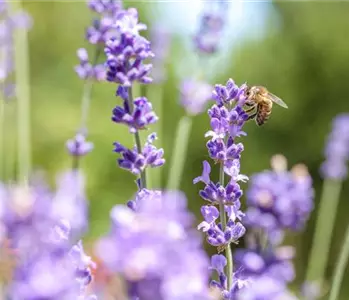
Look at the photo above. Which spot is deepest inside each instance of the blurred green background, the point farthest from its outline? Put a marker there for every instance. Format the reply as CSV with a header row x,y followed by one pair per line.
x,y
303,57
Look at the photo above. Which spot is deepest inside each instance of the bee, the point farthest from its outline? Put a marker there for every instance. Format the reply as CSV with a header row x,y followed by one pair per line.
x,y
260,102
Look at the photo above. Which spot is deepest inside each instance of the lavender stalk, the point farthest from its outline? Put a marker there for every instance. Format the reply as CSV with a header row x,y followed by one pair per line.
x,y
334,171
179,152
340,268
227,119
23,98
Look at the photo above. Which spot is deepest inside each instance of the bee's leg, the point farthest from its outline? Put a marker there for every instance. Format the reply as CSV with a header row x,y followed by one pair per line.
x,y
249,109
252,116
250,103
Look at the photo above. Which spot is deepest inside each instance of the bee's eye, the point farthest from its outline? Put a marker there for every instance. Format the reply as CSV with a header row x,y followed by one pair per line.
x,y
248,93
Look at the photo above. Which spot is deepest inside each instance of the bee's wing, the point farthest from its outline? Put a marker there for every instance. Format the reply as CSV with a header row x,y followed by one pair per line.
x,y
277,100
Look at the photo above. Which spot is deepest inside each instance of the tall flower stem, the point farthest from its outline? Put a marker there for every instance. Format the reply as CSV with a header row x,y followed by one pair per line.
x,y
340,268
87,92
323,230
23,99
137,140
222,215
2,138
179,152
155,93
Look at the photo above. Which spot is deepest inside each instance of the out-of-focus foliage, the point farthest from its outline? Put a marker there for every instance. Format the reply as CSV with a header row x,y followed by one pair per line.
x,y
304,59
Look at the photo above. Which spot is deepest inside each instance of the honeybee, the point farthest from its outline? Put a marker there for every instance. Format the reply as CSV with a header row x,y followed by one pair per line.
x,y
260,102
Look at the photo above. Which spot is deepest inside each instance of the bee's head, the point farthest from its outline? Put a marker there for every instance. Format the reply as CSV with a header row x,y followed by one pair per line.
x,y
251,92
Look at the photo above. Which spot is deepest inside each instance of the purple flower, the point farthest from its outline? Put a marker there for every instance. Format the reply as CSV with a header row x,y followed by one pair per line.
x,y
195,95
279,200
227,118
136,162
229,93
9,23
70,203
160,40
274,263
218,263
86,70
337,149
155,250
210,32
125,56
265,287
45,268
141,115
108,7
79,146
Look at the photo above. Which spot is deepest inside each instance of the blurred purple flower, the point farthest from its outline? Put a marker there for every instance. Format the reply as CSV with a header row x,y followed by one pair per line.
x,y
69,201
78,146
265,287
274,263
210,32
136,162
195,95
108,7
41,239
161,42
86,70
155,250
280,200
337,149
209,35
9,23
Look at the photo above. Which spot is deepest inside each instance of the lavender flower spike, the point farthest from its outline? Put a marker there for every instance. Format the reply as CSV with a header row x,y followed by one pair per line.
x,y
337,150
136,162
222,226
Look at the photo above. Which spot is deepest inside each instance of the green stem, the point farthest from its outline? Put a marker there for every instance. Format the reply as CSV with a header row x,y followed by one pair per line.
x,y
223,220
137,140
23,99
2,139
87,92
179,152
323,231
340,268
154,94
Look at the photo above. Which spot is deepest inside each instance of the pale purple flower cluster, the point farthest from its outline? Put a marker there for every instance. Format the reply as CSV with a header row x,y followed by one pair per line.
x,y
279,200
155,250
136,162
78,146
337,149
211,28
87,69
141,115
194,96
101,30
46,264
127,51
274,263
9,22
